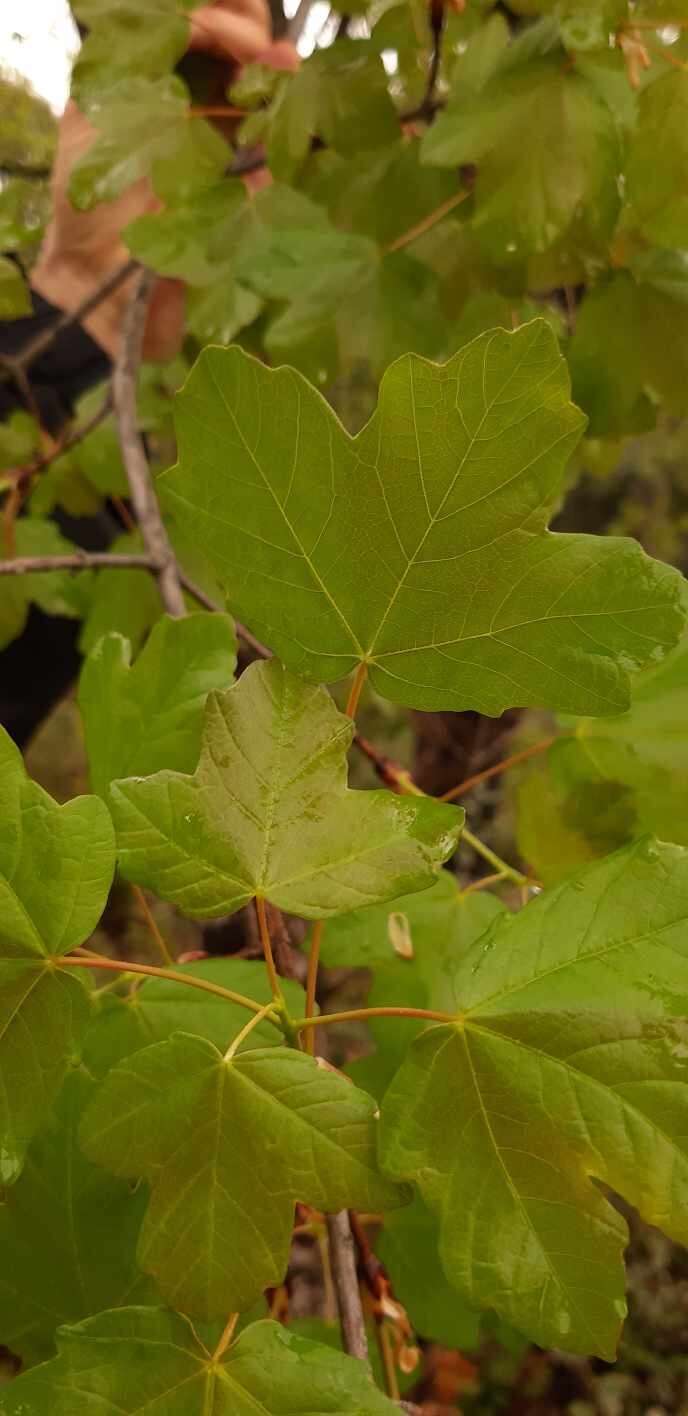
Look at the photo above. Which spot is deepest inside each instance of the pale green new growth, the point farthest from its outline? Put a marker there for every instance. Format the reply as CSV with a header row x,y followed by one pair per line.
x,y
268,813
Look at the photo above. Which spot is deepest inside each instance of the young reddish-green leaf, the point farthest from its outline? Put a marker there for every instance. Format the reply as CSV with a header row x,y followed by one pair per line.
x,y
267,813
566,1066
146,1360
140,719
438,508
56,866
125,1023
68,1233
228,1145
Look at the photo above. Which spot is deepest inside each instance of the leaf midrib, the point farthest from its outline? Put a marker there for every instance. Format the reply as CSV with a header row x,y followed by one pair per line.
x,y
469,449
267,484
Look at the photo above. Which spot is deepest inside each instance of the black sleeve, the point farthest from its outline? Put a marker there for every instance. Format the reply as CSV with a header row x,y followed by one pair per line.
x,y
72,363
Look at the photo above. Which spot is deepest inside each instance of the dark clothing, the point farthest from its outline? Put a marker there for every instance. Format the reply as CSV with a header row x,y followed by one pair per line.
x,y
70,365
38,668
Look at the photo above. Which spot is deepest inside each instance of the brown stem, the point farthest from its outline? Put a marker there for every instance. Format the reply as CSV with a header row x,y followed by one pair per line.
x,y
260,650
498,768
427,223
42,341
356,690
79,560
312,977
266,942
343,1263
95,961
151,923
77,436
26,474
106,560
226,1336
143,498
354,1015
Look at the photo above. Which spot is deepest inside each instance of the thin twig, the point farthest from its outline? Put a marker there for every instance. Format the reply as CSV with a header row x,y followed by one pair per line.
x,y
12,368
266,942
226,1336
87,960
436,17
42,341
260,650
356,1015
151,922
497,769
79,560
248,1027
143,498
78,435
107,560
312,977
428,222
356,690
27,473
500,866
343,1264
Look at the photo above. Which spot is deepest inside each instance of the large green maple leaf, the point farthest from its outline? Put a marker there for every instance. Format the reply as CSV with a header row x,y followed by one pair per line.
x,y
68,1234
566,1066
419,547
56,867
267,813
141,1360
229,1144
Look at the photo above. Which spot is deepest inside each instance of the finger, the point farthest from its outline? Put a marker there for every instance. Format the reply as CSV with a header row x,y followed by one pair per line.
x,y
281,54
241,33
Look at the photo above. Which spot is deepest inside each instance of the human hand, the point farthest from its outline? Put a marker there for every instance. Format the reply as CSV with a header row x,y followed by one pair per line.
x,y
81,249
